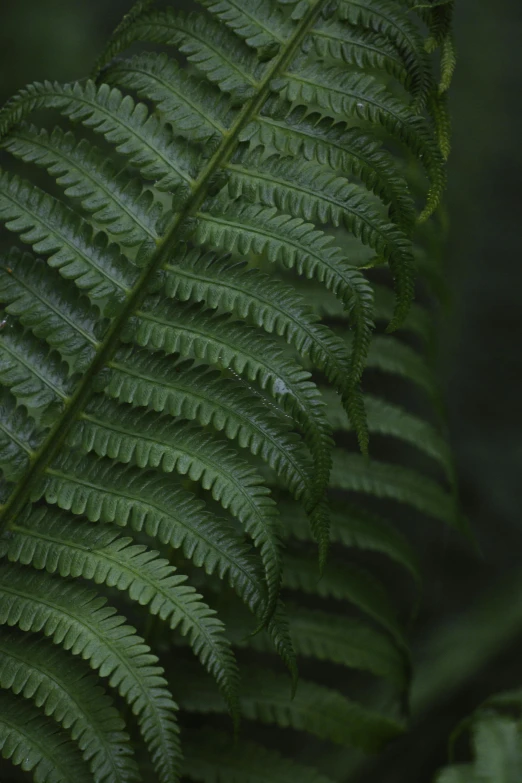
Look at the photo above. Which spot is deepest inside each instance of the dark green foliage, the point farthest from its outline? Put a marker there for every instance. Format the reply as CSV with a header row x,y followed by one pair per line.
x,y
183,354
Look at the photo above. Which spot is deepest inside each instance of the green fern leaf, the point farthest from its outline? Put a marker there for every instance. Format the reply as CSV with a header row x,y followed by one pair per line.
x,y
293,132
192,392
19,439
202,117
54,542
61,687
315,709
117,204
352,584
50,307
221,56
219,341
223,762
80,621
124,123
31,743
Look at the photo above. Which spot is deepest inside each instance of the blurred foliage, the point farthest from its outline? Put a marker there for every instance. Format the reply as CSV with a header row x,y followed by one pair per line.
x,y
468,637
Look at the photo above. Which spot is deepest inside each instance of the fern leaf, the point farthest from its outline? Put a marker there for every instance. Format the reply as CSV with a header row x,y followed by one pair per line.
x,y
128,125
347,583
385,418
149,503
307,191
191,453
61,687
395,482
50,307
160,508
384,18
352,526
221,56
19,438
318,710
271,305
389,355
52,228
82,623
211,757
150,441
294,244
341,640
193,109
223,343
260,23
54,542
29,741
195,393
36,378
296,131
117,204
341,94
257,298
112,48
360,48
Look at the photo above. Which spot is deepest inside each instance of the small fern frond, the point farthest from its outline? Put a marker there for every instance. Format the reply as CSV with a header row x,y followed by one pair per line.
x,y
318,710
195,393
151,442
223,762
81,621
53,541
352,584
31,743
64,690
50,308
126,124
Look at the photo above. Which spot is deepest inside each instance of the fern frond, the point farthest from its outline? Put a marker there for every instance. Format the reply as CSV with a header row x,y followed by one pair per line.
x,y
318,710
52,541
307,192
195,393
385,418
136,364
261,23
50,307
194,109
346,583
52,228
341,640
19,438
150,441
61,687
353,473
255,297
351,150
219,341
31,743
128,125
223,58
80,621
117,204
295,244
36,378
160,508
352,526
211,757
339,94
384,18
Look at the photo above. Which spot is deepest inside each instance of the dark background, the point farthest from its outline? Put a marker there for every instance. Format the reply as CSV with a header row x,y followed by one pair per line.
x,y
469,638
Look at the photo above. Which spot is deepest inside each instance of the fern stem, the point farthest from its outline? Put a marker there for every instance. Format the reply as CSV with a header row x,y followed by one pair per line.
x,y
166,248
